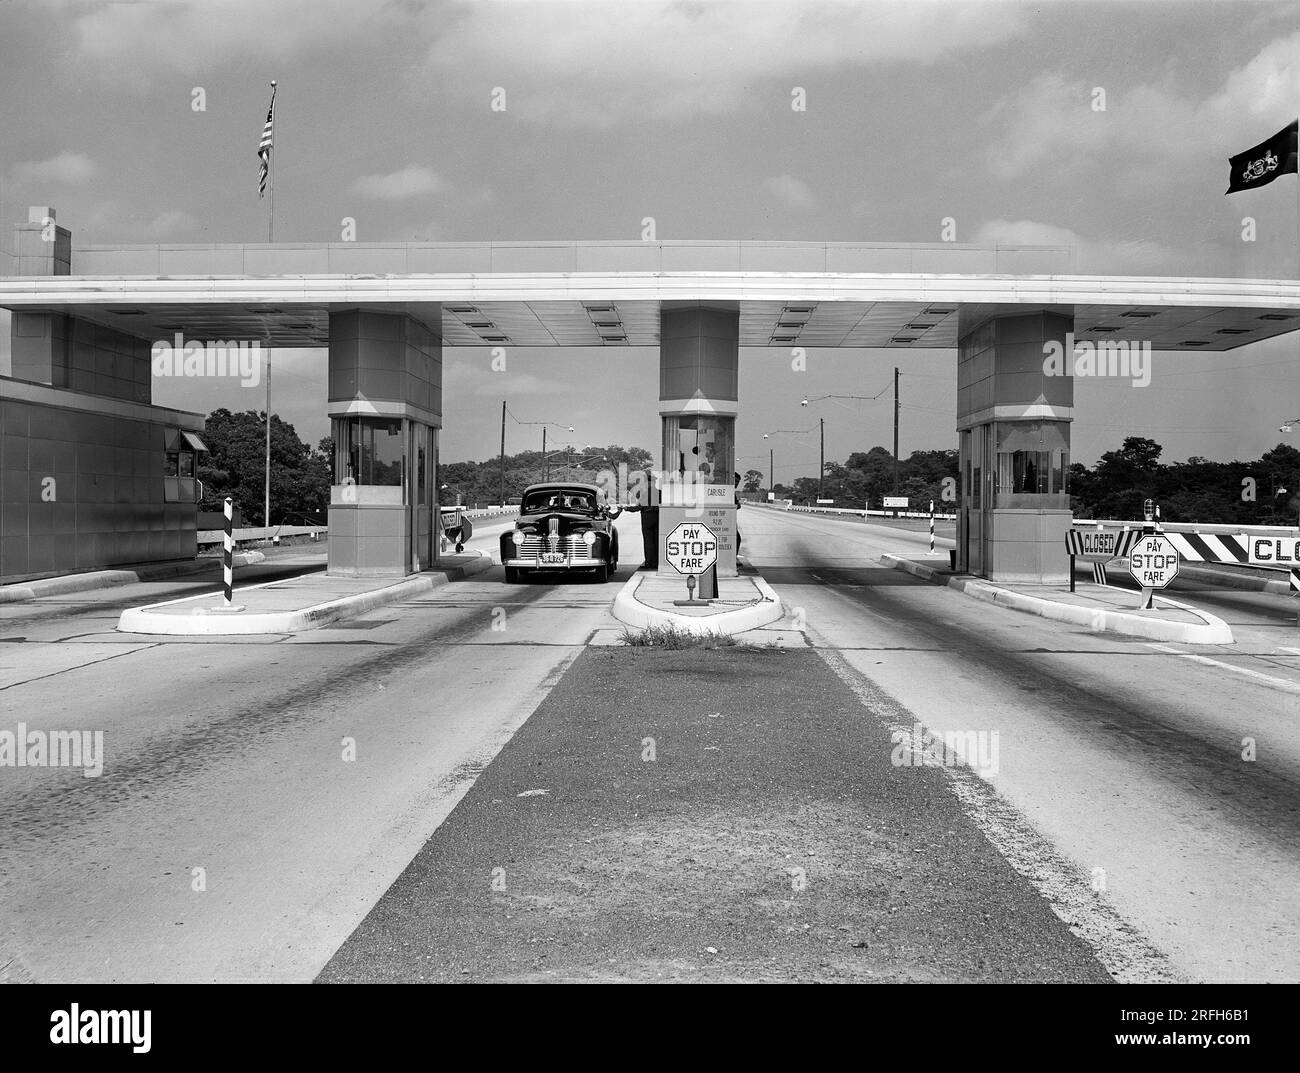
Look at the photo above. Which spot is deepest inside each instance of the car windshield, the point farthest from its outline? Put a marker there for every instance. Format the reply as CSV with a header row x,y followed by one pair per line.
x,y
559,499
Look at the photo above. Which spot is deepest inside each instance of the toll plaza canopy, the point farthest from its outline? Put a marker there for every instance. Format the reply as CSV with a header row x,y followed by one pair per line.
x,y
385,311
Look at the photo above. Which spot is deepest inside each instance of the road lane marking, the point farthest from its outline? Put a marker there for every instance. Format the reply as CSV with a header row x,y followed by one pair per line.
x,y
1283,684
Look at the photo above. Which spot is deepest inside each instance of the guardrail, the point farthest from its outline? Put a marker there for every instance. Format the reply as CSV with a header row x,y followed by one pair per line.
x,y
861,513
270,532
267,532
1195,527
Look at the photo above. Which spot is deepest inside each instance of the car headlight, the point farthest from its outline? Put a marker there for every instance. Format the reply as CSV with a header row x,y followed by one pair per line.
x,y
590,537
518,537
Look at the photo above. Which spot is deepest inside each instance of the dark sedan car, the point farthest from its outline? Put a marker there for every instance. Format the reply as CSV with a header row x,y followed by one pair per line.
x,y
561,527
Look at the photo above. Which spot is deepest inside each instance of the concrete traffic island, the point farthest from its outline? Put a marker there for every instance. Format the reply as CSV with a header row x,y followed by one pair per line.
x,y
293,604
744,603
1100,608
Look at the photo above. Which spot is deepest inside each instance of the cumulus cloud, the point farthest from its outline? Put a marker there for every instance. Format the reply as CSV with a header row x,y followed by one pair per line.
x,y
411,181
171,222
790,191
1051,122
196,35
591,63
573,62
70,169
1123,257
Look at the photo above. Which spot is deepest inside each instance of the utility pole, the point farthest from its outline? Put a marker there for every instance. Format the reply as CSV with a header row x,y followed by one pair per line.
x,y
821,469
895,430
771,473
545,461
503,452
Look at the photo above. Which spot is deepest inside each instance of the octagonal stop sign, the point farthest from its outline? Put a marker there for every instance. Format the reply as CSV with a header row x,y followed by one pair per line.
x,y
1153,562
691,548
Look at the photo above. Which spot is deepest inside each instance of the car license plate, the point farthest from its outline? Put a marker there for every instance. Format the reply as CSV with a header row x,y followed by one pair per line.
x,y
552,557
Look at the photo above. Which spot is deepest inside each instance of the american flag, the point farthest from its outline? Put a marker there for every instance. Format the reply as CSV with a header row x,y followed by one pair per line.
x,y
264,147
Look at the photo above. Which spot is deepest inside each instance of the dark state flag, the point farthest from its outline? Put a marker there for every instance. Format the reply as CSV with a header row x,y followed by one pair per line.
x,y
1265,162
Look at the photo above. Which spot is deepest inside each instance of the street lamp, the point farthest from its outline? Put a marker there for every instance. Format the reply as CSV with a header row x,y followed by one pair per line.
x,y
771,464
544,424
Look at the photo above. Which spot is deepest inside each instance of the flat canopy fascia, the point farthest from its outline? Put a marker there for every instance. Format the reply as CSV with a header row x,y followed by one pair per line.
x,y
776,308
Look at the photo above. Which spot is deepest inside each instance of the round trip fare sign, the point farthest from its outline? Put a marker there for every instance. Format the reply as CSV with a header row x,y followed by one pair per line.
x,y
691,548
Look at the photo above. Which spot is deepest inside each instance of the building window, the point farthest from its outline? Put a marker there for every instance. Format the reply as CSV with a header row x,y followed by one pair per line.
x,y
368,450
1033,459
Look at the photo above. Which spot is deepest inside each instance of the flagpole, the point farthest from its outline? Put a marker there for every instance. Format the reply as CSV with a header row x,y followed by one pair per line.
x,y
270,235
266,503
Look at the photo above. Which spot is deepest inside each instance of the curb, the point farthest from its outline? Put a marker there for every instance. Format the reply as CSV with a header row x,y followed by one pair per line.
x,y
203,623
632,612
103,579
1211,630
1197,572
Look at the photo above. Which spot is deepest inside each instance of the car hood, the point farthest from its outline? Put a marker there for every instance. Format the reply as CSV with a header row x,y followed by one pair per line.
x,y
568,520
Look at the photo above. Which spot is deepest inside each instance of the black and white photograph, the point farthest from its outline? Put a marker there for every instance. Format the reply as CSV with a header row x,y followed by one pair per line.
x,y
650,492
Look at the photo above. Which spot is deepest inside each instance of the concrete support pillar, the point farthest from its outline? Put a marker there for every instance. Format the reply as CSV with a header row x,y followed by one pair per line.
x,y
385,402
1013,419
699,352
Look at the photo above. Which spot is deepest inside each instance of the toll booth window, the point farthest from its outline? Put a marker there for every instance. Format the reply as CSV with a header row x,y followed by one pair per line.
x,y
1032,459
368,450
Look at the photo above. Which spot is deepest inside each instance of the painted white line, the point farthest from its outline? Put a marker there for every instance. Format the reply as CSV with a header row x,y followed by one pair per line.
x,y
1123,951
1283,684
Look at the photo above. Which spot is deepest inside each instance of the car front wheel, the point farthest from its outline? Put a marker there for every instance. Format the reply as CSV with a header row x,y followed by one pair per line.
x,y
514,575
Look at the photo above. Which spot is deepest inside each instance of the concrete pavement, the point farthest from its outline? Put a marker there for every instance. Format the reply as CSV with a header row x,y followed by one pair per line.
x,y
18,592
1097,607
297,604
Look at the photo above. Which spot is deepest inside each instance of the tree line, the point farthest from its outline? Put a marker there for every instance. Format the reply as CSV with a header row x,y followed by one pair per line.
x,y
1265,491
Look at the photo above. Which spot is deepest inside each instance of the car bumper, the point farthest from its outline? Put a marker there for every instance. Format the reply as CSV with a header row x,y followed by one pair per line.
x,y
568,564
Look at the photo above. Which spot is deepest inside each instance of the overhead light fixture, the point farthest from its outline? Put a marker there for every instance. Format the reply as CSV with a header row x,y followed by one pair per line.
x,y
1233,331
463,309
1195,342
1277,316
1139,313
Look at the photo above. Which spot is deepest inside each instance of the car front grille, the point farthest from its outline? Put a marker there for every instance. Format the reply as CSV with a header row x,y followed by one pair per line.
x,y
534,545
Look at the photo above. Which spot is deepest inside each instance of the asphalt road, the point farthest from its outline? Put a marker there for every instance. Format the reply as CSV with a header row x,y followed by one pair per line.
x,y
262,797
1126,756
297,774
708,815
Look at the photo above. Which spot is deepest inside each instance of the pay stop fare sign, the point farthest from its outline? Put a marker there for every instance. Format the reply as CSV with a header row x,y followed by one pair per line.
x,y
1153,562
691,548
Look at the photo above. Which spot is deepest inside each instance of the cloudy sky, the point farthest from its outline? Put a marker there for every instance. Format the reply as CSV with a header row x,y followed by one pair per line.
x,y
622,109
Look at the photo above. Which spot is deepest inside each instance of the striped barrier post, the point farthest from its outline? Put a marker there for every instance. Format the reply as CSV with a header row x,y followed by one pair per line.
x,y
228,558
932,527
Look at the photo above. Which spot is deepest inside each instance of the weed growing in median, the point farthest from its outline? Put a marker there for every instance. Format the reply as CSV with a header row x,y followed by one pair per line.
x,y
674,637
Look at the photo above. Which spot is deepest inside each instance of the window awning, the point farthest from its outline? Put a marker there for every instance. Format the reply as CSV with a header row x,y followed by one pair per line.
x,y
193,442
